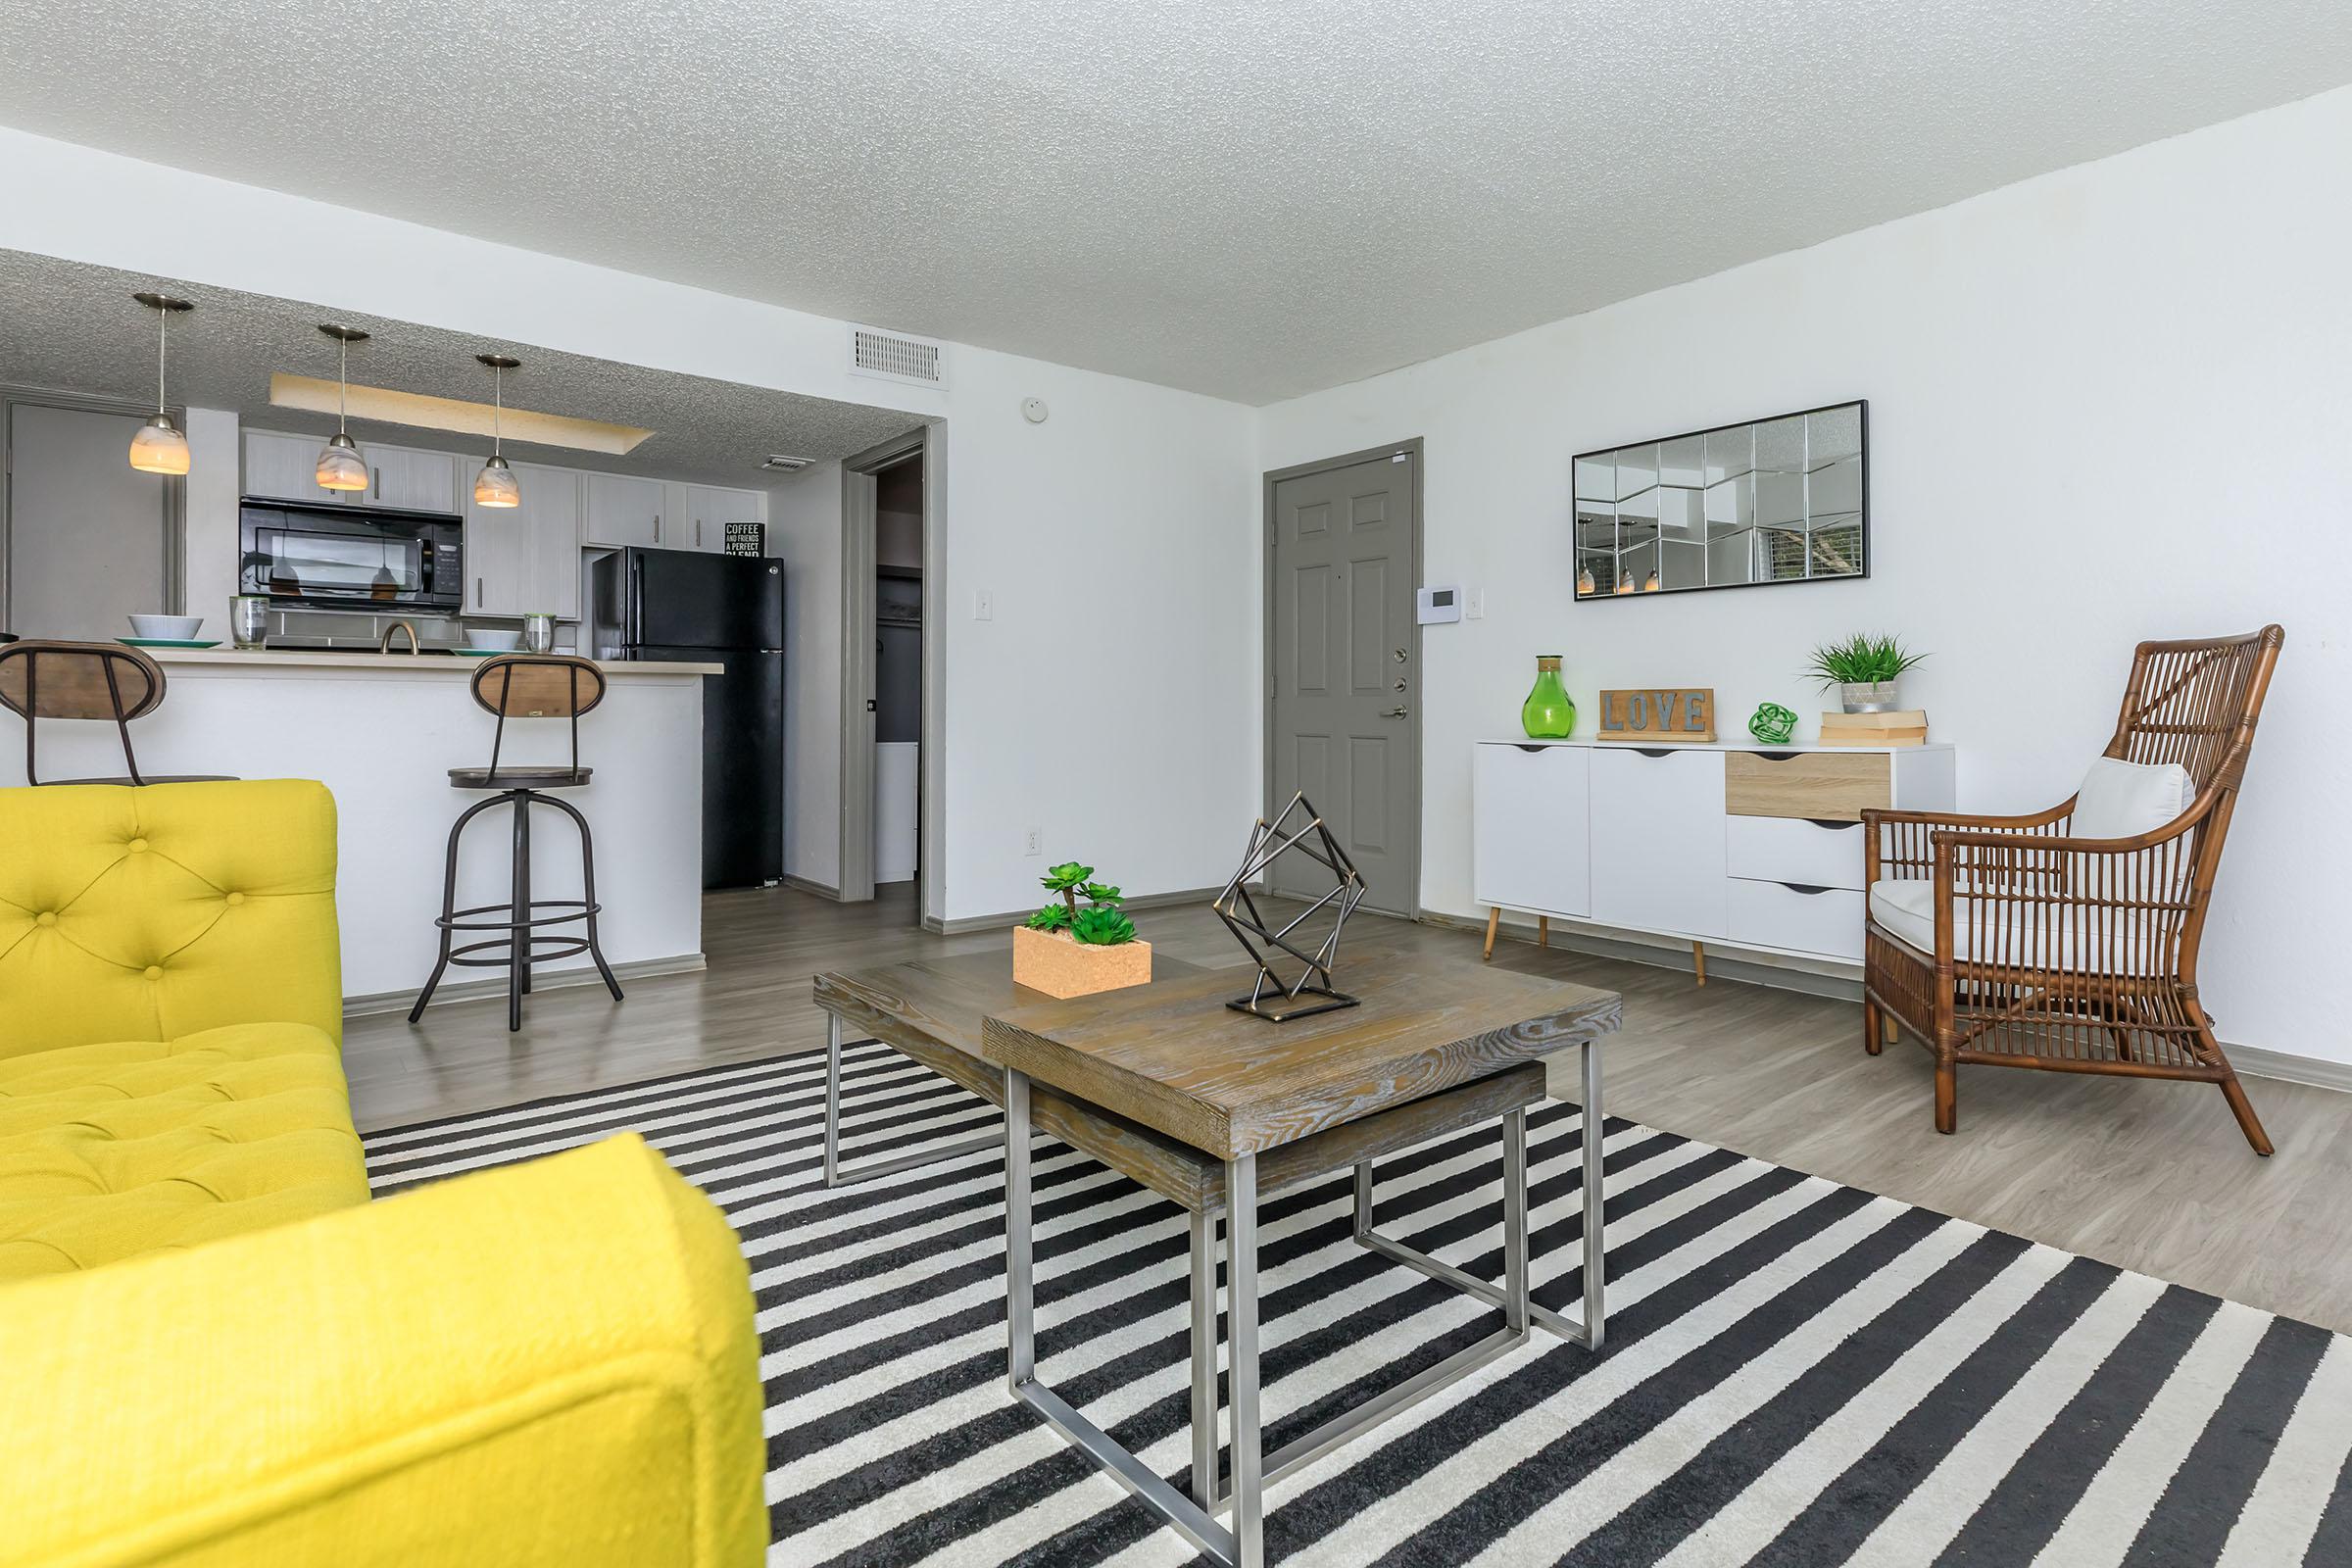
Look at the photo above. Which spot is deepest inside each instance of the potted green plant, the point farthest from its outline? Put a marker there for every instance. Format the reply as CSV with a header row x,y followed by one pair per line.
x,y
1865,669
1074,949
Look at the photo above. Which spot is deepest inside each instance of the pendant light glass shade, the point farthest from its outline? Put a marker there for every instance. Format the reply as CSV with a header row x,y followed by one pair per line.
x,y
495,485
340,466
159,447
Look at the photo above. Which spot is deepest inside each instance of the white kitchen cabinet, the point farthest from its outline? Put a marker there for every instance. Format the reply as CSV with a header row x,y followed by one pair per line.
x,y
403,476
702,512
283,468
1530,845
1658,840
523,558
1759,846
625,510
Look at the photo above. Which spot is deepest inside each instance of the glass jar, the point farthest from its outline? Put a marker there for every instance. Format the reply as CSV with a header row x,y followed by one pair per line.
x,y
1548,715
249,620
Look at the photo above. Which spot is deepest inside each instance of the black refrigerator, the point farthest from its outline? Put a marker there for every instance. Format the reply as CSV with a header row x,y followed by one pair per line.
x,y
683,605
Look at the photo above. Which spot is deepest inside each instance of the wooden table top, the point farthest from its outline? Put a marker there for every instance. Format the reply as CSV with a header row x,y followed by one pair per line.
x,y
1172,1057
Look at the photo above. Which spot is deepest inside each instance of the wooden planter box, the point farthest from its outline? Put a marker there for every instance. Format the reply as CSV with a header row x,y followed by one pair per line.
x,y
1054,962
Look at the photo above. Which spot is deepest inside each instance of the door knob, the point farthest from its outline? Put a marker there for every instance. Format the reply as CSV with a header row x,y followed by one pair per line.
x,y
1394,712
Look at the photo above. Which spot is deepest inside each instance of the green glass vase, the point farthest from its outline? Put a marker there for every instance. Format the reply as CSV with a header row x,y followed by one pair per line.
x,y
1548,715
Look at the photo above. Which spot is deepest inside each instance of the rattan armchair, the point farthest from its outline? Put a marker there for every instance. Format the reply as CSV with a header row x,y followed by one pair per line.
x,y
2076,955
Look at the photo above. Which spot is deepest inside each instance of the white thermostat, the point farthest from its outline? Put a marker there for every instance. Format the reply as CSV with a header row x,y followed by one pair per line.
x,y
1439,604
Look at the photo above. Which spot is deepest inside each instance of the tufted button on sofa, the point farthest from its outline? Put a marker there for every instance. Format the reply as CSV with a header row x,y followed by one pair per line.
x,y
216,1348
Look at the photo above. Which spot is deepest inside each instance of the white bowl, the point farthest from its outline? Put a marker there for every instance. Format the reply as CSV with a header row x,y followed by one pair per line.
x,y
504,641
169,628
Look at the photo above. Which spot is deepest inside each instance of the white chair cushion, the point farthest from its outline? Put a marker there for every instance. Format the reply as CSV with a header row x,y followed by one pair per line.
x,y
2121,800
1905,908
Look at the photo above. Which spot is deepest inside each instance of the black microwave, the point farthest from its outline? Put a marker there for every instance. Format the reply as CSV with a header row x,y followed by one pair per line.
x,y
361,557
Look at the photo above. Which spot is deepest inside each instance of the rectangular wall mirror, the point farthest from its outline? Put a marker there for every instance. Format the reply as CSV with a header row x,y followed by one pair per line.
x,y
1779,500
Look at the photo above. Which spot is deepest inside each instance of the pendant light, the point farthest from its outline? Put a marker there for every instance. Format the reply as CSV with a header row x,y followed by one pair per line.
x,y
159,447
1650,584
1584,580
495,485
340,466
1625,583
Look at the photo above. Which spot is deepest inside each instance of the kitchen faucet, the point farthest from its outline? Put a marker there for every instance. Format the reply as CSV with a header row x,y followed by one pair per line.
x,y
383,644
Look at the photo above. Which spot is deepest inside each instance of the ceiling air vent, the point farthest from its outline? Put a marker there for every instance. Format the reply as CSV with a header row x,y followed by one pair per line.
x,y
894,357
779,463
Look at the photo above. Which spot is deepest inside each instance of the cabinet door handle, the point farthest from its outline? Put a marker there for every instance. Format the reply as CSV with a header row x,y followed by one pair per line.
x,y
1806,888
698,533
1530,746
377,490
1653,752
656,527
1777,757
477,593
1828,825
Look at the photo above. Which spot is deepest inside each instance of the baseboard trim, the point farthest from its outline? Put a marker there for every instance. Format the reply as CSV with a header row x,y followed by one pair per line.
x,y
1724,960
2252,1062
804,885
382,1002
1142,901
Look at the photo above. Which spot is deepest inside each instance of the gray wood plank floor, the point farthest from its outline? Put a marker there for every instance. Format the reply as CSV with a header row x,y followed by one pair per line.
x,y
2152,1177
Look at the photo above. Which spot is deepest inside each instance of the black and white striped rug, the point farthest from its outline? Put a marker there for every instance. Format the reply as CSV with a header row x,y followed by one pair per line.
x,y
1797,1373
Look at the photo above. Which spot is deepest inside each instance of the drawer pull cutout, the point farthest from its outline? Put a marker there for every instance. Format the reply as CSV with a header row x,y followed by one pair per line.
x,y
1528,747
1832,825
1806,888
1654,751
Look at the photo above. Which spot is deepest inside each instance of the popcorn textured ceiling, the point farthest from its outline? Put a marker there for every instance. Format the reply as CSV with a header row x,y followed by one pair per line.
x,y
1248,199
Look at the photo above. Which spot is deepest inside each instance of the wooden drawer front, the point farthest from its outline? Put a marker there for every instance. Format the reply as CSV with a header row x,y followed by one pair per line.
x,y
1788,849
1529,828
1658,840
1815,784
1773,915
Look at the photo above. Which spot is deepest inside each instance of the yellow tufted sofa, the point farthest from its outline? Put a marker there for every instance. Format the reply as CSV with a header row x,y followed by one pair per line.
x,y
214,1349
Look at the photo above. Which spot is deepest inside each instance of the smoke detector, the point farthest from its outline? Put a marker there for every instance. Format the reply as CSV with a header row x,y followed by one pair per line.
x,y
780,463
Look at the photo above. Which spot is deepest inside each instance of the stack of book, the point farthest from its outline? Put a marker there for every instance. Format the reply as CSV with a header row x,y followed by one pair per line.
x,y
1902,727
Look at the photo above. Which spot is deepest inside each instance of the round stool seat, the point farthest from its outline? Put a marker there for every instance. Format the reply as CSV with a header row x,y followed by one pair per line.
x,y
518,778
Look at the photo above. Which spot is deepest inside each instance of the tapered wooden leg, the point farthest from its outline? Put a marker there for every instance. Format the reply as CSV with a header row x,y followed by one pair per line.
x,y
1872,1040
1947,1091
2244,1110
1698,960
1891,1028
1542,930
1493,918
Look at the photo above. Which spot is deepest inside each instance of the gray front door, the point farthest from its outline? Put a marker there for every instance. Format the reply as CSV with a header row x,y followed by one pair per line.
x,y
1346,686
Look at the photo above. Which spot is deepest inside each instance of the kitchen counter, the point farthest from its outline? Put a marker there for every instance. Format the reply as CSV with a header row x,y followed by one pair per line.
x,y
403,663
382,731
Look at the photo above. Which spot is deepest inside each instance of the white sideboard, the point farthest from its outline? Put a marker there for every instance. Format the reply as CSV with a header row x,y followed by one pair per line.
x,y
1751,846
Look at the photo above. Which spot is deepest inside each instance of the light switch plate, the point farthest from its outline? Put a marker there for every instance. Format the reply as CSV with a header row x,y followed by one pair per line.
x,y
1474,603
984,604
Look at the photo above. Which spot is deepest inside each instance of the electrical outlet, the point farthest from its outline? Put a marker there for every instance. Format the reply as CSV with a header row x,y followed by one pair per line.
x,y
984,604
1474,603
1035,843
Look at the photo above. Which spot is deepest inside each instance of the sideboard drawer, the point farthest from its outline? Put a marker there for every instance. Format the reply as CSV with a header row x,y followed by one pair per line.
x,y
1827,786
1806,919
1793,849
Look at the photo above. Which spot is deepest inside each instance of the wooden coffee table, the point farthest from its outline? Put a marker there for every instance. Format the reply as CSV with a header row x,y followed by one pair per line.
x,y
1248,1107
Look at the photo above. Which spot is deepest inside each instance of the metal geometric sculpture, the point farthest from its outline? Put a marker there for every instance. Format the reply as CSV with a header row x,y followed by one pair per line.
x,y
1312,992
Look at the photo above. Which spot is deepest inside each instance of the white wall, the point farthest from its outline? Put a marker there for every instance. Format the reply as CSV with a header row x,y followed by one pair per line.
x,y
1106,702
803,531
2109,404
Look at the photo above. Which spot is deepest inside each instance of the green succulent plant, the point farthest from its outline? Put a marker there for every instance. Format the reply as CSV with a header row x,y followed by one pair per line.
x,y
1099,923
1860,660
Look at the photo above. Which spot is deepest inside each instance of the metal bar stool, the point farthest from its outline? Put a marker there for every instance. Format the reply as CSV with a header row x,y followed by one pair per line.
x,y
523,686
42,679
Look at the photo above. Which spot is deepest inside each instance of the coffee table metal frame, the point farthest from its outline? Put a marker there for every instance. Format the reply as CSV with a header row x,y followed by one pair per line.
x,y
838,1174
1242,1543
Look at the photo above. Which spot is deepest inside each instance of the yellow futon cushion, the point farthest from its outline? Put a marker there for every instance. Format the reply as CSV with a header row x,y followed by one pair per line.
x,y
109,1150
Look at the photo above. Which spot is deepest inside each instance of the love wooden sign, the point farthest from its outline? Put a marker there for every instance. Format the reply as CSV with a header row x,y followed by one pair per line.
x,y
1673,714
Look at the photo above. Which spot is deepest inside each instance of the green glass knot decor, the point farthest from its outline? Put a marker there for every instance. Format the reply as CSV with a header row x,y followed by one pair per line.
x,y
1772,724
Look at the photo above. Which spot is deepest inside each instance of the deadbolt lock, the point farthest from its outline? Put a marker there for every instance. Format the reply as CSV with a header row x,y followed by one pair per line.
x,y
1400,654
